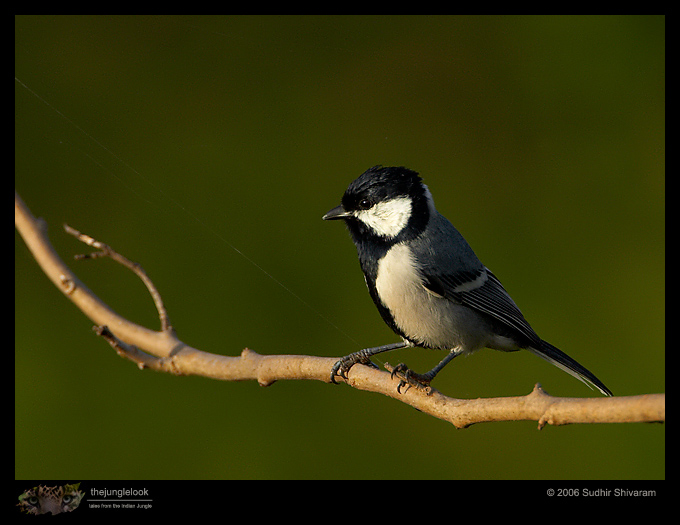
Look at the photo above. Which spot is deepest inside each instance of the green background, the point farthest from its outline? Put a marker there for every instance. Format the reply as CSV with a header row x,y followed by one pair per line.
x,y
174,138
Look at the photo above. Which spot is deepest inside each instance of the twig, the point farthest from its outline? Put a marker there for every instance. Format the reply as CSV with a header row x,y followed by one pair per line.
x,y
106,251
163,351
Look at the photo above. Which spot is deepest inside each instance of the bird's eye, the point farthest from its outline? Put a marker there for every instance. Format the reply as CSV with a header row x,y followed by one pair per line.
x,y
365,204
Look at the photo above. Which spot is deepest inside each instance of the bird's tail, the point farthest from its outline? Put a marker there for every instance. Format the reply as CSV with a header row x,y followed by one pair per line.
x,y
563,361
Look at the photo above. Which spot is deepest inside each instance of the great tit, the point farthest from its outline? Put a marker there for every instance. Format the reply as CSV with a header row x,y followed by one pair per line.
x,y
427,283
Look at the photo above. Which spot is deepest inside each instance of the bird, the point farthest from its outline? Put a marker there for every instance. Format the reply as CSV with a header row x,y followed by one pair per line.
x,y
427,283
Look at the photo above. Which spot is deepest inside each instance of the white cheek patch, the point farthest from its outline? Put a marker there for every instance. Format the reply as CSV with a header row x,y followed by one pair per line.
x,y
387,218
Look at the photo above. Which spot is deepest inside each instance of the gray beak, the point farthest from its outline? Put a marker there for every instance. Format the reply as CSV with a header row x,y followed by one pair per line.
x,y
336,213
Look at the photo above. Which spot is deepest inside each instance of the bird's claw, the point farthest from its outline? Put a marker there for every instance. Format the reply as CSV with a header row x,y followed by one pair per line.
x,y
342,366
409,378
339,369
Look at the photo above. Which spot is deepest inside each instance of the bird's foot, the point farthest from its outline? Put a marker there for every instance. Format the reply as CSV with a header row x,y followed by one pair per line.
x,y
409,378
342,366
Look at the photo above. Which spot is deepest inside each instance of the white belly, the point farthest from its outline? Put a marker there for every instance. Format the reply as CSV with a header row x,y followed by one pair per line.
x,y
426,318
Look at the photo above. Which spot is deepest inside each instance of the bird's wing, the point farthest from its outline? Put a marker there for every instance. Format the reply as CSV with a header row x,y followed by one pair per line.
x,y
480,290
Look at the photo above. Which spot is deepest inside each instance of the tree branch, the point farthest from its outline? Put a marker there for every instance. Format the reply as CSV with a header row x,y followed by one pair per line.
x,y
165,352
